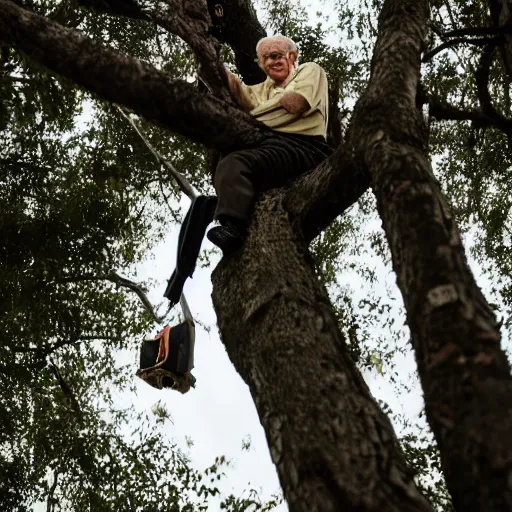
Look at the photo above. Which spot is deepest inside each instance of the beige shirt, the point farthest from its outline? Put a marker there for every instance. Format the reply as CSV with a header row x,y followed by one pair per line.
x,y
310,81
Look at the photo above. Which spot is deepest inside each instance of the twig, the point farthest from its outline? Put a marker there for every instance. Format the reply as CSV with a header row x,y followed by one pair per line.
x,y
121,281
166,199
184,185
479,31
68,392
51,492
459,40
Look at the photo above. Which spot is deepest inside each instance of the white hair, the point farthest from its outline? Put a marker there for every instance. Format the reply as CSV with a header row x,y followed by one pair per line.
x,y
292,47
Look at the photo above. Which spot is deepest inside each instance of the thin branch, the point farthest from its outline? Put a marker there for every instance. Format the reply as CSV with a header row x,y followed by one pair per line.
x,y
482,81
51,492
459,40
450,13
444,111
479,31
164,195
120,281
134,287
184,185
66,389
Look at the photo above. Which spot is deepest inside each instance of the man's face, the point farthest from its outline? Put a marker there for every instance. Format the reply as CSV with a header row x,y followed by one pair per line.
x,y
276,59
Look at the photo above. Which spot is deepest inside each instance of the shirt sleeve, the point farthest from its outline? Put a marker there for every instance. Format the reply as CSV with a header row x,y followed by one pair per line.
x,y
254,93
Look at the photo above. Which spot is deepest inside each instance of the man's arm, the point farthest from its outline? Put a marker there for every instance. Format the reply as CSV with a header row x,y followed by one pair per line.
x,y
307,91
294,103
241,98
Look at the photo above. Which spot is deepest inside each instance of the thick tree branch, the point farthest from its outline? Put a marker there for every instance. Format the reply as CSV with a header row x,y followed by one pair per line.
x,y
317,198
464,373
501,16
442,110
482,83
187,19
235,23
128,82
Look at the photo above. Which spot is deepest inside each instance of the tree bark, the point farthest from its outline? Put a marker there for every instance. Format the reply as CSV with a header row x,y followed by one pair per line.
x,y
464,374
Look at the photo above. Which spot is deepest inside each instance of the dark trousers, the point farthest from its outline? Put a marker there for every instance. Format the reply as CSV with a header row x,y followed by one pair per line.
x,y
241,175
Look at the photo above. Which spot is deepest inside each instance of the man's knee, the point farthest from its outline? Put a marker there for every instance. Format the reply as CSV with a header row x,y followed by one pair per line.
x,y
231,171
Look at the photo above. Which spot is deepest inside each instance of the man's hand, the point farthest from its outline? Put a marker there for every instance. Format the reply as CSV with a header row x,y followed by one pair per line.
x,y
294,103
236,89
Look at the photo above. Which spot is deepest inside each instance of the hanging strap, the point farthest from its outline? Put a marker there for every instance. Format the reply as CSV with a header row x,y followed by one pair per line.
x,y
192,231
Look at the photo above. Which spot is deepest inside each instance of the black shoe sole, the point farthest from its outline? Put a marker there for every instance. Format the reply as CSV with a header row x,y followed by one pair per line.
x,y
227,242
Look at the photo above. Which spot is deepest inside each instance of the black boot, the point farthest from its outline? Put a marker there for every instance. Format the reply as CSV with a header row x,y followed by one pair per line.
x,y
229,236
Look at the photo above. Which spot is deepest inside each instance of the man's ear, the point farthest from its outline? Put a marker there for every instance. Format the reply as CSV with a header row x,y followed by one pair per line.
x,y
293,58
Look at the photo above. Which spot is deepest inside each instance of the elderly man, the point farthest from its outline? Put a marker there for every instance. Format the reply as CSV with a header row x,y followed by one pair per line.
x,y
293,102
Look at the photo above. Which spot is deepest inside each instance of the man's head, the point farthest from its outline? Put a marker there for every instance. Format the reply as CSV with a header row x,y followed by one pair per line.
x,y
277,56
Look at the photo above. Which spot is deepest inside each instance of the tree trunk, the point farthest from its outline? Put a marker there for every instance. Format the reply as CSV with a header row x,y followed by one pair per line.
x,y
464,374
333,447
